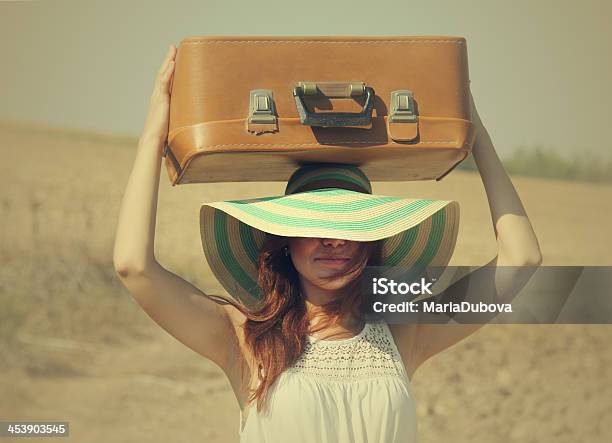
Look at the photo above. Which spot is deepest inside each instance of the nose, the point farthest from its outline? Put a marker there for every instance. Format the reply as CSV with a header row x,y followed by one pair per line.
x,y
334,242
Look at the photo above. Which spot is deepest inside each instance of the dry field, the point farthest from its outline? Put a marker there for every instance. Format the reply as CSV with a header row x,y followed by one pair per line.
x,y
75,347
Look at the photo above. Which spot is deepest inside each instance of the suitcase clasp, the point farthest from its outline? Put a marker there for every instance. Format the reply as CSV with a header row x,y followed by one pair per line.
x,y
402,107
402,123
262,112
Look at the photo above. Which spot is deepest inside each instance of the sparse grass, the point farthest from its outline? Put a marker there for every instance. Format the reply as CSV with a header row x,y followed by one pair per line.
x,y
13,313
56,274
547,163
74,297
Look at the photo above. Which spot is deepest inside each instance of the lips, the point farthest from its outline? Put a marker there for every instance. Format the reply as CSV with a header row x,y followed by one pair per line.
x,y
332,262
332,258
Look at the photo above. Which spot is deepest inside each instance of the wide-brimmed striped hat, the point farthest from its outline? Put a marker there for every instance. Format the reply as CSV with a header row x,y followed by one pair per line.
x,y
326,201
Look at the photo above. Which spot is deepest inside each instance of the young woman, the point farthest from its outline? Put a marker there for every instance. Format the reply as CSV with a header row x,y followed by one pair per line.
x,y
296,345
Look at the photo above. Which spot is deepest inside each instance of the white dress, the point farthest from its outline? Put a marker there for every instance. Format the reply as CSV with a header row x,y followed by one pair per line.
x,y
354,390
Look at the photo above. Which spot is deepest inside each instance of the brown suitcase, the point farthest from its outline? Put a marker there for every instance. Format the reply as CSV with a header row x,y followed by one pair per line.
x,y
256,108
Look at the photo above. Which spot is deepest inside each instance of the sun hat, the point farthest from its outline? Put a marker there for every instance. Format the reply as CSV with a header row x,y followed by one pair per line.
x,y
325,200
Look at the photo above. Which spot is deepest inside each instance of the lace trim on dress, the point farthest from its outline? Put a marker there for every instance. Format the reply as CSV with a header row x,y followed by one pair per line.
x,y
368,354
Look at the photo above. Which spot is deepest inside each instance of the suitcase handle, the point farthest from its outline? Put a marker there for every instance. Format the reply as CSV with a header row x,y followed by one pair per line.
x,y
334,89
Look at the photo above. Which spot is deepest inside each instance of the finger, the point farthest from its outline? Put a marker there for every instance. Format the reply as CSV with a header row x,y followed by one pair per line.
x,y
168,73
163,67
164,79
163,74
171,80
169,56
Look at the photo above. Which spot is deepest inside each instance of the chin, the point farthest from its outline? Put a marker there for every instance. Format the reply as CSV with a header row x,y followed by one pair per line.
x,y
335,284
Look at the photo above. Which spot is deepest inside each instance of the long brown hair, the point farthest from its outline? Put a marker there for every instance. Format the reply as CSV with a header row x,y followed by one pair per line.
x,y
275,331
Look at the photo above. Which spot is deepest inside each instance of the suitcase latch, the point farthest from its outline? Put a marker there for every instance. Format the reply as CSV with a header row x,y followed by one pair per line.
x,y
262,112
402,107
402,122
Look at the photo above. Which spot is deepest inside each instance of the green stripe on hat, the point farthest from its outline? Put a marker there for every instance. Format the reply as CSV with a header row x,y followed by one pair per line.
x,y
248,242
334,207
409,236
435,237
226,254
356,225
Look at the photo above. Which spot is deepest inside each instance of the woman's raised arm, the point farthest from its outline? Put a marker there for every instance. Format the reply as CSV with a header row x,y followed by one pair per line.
x,y
502,278
176,305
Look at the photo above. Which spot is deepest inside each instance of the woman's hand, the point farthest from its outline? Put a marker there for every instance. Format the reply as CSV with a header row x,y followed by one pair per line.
x,y
481,132
156,124
475,117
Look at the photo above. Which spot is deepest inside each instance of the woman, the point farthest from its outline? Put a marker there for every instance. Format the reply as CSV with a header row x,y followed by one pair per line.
x,y
350,381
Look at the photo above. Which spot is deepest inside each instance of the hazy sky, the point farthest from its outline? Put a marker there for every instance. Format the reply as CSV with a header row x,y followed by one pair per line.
x,y
541,71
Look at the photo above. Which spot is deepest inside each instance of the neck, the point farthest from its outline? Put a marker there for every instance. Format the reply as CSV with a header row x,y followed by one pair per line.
x,y
316,296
